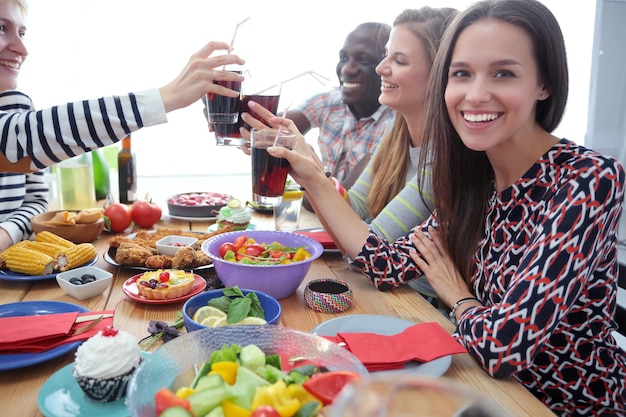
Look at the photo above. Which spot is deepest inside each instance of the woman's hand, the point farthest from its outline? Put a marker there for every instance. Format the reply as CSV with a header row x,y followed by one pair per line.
x,y
441,272
196,79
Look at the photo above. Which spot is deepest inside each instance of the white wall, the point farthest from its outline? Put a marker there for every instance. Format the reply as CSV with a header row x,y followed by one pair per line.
x,y
88,48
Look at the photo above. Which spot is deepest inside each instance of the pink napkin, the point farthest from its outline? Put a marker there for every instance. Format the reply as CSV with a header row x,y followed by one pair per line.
x,y
38,333
422,342
322,237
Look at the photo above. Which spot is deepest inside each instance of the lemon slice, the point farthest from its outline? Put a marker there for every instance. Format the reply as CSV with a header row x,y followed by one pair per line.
x,y
220,322
252,320
233,203
293,195
206,312
211,321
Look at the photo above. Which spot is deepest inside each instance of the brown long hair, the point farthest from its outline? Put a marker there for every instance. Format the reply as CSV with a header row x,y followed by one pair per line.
x,y
462,177
391,163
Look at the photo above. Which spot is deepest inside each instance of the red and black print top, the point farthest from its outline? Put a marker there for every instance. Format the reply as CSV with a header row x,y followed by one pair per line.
x,y
546,274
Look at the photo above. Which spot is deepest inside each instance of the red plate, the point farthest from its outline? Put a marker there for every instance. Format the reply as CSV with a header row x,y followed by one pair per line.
x,y
130,289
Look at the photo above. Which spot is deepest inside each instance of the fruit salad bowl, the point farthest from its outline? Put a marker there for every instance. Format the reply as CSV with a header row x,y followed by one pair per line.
x,y
173,364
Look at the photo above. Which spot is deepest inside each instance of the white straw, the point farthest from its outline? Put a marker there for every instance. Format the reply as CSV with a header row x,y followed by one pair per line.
x,y
311,73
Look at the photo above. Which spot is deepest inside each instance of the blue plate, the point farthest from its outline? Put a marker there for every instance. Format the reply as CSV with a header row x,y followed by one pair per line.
x,y
31,308
7,275
61,396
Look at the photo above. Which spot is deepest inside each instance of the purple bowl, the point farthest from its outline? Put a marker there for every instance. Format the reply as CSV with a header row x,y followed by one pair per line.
x,y
279,281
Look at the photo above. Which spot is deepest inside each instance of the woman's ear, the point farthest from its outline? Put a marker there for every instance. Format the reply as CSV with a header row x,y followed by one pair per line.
x,y
543,93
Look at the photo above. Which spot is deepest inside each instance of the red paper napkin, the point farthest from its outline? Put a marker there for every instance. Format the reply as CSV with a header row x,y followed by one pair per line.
x,y
322,237
422,342
38,333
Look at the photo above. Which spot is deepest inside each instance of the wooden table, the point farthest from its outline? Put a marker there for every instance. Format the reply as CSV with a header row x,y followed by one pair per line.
x,y
19,388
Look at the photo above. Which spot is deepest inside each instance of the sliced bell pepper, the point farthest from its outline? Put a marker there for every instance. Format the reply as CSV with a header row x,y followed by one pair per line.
x,y
278,397
233,410
227,370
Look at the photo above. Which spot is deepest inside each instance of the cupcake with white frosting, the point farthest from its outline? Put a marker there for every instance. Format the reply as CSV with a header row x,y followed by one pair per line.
x,y
104,364
234,214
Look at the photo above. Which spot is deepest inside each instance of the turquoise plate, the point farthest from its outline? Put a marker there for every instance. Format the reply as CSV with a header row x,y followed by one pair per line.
x,y
61,396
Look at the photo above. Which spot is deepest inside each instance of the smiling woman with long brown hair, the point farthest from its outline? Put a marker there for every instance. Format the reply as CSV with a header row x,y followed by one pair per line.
x,y
522,245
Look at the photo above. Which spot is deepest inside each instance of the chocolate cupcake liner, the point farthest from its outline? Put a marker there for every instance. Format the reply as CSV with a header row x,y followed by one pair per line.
x,y
104,389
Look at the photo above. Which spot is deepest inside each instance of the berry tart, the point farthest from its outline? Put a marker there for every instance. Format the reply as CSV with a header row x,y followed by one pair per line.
x,y
165,284
105,380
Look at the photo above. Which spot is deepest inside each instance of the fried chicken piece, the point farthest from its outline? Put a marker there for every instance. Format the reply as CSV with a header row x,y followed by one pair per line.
x,y
201,259
184,258
117,240
159,262
132,254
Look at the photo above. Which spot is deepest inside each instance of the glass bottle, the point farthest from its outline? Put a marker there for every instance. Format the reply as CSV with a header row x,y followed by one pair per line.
x,y
100,175
127,173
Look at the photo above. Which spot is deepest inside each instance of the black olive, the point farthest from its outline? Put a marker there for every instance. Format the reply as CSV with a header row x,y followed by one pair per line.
x,y
90,277
76,281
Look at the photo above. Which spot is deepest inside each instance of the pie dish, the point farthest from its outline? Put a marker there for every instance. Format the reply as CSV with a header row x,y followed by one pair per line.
x,y
196,204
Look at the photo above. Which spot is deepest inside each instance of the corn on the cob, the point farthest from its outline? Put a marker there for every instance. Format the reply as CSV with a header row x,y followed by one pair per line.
x,y
26,261
50,237
80,254
4,253
58,253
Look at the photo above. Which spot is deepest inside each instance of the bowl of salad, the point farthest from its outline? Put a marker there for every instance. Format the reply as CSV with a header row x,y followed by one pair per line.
x,y
247,367
273,262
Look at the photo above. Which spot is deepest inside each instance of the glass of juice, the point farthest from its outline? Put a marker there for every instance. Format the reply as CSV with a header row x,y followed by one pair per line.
x,y
270,102
75,183
228,134
222,109
269,173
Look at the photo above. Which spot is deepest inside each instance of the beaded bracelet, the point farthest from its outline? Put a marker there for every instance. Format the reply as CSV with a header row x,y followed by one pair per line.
x,y
456,306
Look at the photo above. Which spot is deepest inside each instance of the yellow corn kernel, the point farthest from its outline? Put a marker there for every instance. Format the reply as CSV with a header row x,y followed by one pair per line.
x,y
27,261
4,253
80,254
58,253
50,237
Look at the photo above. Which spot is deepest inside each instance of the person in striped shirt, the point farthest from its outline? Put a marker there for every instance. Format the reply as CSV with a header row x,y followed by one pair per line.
x,y
32,140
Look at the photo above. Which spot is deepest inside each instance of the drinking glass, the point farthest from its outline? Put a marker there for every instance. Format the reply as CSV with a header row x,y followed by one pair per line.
x,y
227,134
268,100
75,183
222,109
269,173
287,213
396,395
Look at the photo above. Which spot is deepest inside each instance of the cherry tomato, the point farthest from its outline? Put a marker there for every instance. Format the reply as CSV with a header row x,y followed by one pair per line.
x,y
254,249
117,217
165,398
276,253
265,411
327,385
226,246
145,214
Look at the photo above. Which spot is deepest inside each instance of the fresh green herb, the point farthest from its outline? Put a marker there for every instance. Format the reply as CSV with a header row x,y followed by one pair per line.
x,y
238,306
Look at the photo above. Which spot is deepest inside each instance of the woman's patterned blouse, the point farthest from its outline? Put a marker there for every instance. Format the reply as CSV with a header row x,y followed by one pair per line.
x,y
546,274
